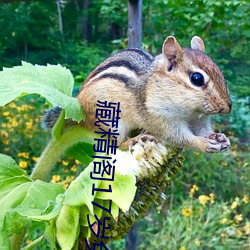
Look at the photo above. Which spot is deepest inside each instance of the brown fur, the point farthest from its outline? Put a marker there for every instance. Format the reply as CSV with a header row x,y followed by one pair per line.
x,y
156,94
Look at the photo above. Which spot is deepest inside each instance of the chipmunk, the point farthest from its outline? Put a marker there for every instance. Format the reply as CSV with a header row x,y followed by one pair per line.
x,y
170,96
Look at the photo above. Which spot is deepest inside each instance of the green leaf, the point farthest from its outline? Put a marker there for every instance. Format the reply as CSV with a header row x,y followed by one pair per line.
x,y
123,187
20,197
114,210
79,192
50,234
4,240
53,82
34,243
82,151
39,194
86,231
11,183
9,168
9,220
14,198
14,223
47,215
67,226
123,190
84,211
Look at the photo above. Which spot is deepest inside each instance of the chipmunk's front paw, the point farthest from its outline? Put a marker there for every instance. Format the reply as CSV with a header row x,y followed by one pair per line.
x,y
217,142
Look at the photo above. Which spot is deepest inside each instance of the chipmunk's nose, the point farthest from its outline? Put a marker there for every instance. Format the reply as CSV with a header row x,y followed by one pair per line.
x,y
227,108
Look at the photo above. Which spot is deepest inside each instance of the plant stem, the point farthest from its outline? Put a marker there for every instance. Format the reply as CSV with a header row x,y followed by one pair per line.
x,y
52,153
57,146
16,240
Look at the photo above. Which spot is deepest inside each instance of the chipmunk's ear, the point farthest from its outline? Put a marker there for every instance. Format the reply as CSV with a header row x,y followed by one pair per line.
x,y
197,43
171,49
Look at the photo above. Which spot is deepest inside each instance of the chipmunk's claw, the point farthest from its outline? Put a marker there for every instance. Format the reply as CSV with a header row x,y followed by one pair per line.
x,y
218,142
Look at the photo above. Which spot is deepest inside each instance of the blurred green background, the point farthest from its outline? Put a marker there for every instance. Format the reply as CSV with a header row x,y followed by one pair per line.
x,y
207,206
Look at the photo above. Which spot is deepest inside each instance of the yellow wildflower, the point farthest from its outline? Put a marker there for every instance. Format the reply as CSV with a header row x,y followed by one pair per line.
x,y
65,163
14,123
6,113
55,178
183,248
193,190
203,199
70,178
6,141
224,164
211,195
238,218
65,185
247,227
234,152
23,164
197,242
187,211
35,159
28,241
29,124
73,168
238,233
6,149
245,199
77,162
23,107
12,105
4,134
24,154
223,220
235,203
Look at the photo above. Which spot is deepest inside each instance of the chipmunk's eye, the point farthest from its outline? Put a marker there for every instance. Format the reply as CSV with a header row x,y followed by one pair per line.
x,y
197,79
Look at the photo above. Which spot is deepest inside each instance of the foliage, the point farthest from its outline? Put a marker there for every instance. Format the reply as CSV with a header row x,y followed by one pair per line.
x,y
223,25
19,127
232,166
39,201
52,82
82,58
199,223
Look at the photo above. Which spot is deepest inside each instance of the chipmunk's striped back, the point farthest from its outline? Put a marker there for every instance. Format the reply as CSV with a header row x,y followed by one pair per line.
x,y
124,66
120,78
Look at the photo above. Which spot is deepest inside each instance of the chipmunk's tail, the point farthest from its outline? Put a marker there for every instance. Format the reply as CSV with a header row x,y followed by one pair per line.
x,y
50,117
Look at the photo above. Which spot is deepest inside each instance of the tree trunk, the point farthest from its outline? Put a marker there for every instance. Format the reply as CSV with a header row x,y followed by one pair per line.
x,y
85,20
131,238
59,16
134,41
135,23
